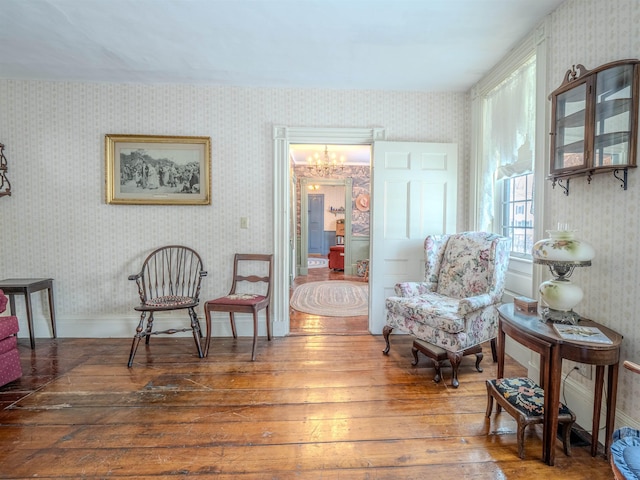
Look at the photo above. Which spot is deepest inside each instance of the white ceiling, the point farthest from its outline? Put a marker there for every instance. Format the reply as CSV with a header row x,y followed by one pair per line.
x,y
397,45
402,45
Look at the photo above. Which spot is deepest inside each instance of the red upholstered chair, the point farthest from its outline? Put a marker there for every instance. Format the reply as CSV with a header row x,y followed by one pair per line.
x,y
250,293
10,369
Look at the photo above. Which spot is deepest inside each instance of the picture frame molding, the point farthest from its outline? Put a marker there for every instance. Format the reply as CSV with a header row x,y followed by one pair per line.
x,y
115,146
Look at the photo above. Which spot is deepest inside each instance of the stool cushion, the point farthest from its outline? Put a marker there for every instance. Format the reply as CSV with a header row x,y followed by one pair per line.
x,y
525,395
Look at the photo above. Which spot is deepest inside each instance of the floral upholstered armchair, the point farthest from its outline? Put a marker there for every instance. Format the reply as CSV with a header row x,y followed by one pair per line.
x,y
455,308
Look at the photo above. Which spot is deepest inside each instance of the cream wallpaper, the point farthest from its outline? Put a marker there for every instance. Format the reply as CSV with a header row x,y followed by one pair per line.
x,y
594,32
56,224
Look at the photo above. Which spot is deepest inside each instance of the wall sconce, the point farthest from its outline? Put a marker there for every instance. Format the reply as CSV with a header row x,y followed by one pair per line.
x,y
562,253
5,185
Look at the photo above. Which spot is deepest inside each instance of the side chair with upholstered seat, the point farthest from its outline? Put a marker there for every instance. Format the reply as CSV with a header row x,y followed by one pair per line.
x,y
453,311
250,292
169,280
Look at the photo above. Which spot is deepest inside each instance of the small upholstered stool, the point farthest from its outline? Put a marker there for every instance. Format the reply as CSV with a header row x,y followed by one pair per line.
x,y
523,399
438,354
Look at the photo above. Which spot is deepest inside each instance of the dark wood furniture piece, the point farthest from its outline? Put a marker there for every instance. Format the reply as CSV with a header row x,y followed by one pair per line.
x,y
524,407
336,257
438,355
25,287
594,122
169,280
532,332
245,299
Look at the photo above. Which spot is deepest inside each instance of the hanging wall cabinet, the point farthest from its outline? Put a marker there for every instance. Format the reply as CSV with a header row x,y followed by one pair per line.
x,y
594,122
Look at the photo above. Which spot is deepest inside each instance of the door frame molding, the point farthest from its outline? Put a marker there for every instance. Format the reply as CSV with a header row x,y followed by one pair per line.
x,y
347,183
283,136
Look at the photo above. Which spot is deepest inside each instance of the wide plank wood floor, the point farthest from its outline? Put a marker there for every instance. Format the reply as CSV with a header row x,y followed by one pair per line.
x,y
311,406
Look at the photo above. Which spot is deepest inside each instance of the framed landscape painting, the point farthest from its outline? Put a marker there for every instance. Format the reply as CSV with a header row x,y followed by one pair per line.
x,y
157,170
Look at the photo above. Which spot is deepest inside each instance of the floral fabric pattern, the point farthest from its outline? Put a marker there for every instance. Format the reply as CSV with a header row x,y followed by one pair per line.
x,y
455,307
524,394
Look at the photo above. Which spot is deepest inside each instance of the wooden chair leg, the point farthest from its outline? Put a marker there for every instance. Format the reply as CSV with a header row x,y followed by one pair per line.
x,y
438,376
149,328
566,438
233,325
207,315
268,323
455,358
479,357
489,403
414,351
520,437
195,328
134,347
255,336
386,331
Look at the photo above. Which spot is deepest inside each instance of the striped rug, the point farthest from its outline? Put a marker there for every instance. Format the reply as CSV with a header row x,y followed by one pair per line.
x,y
316,262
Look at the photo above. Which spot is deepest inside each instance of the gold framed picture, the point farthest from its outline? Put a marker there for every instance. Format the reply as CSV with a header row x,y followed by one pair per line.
x,y
157,170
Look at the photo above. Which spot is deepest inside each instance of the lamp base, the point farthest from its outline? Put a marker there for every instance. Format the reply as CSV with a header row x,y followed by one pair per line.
x,y
558,316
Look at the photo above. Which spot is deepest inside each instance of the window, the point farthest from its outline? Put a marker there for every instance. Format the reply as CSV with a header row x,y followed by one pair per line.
x,y
516,218
508,130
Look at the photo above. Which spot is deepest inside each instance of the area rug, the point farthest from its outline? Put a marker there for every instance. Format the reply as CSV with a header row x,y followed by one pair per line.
x,y
332,299
315,262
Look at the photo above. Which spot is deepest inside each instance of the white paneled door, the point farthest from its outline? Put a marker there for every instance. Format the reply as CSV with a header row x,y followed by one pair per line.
x,y
414,187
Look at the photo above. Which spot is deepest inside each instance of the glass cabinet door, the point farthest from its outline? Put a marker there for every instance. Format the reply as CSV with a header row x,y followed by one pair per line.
x,y
594,122
613,107
570,129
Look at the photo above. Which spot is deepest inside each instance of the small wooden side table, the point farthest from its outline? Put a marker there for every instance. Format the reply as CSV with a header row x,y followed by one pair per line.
x,y
26,286
533,332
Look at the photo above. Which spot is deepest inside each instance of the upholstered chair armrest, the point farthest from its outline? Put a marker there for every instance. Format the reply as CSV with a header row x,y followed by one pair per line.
x,y
477,302
412,289
3,301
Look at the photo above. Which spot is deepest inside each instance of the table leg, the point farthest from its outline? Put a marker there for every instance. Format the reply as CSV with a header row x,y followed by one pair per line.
x,y
501,349
27,302
52,312
551,406
12,304
597,402
612,389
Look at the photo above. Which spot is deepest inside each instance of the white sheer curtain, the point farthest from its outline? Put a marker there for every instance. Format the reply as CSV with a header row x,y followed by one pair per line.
x,y
508,133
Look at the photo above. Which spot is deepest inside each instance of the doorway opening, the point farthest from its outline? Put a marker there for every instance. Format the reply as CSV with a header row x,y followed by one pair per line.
x,y
284,195
328,243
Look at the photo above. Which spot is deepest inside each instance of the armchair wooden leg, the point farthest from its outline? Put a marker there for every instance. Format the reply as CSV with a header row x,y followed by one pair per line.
x,y
455,358
479,357
386,331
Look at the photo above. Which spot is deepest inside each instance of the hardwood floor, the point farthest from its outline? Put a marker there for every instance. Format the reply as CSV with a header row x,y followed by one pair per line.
x,y
305,324
328,406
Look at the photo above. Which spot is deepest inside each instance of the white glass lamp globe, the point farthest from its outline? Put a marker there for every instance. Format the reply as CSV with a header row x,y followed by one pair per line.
x,y
562,252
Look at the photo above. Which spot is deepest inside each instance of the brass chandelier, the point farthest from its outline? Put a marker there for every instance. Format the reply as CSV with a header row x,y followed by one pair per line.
x,y
326,164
